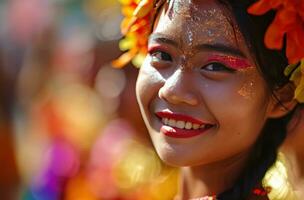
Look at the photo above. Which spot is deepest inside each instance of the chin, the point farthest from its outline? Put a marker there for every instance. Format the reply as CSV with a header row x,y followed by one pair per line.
x,y
174,161
173,158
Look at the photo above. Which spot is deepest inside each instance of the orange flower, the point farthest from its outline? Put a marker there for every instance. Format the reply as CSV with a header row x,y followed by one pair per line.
x,y
136,28
288,21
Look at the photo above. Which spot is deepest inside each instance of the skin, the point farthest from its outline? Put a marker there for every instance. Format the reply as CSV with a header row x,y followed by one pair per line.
x,y
178,75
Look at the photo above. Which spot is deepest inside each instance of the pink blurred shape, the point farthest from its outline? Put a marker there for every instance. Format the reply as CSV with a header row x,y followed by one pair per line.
x,y
107,151
27,18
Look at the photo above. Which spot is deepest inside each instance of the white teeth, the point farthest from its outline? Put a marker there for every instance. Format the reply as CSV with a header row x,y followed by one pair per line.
x,y
195,126
172,123
165,120
188,125
180,124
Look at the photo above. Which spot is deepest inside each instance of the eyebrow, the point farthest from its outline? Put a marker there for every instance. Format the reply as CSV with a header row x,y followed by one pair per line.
x,y
161,38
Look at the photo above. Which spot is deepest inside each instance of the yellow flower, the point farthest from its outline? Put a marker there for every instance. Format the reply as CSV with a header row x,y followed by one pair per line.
x,y
143,8
296,73
299,93
136,28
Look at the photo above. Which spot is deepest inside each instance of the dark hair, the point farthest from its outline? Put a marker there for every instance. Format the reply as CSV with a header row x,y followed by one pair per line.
x,y
271,64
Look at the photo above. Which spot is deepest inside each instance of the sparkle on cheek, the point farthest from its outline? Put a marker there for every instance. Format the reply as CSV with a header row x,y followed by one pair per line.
x,y
247,90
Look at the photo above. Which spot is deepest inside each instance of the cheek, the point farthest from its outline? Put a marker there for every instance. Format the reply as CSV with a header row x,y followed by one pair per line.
x,y
240,118
148,83
252,87
239,105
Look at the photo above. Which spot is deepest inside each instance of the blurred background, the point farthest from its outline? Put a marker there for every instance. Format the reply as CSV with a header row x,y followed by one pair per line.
x,y
70,127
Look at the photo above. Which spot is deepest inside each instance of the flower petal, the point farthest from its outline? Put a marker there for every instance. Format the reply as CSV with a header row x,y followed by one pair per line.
x,y
284,21
294,49
125,2
124,59
260,7
300,10
128,11
274,36
127,43
143,8
299,93
138,60
289,69
296,76
126,24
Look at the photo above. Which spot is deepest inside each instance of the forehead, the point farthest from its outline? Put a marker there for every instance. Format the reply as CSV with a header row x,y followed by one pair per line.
x,y
199,21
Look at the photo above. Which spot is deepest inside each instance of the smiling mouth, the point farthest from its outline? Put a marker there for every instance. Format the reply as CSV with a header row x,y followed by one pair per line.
x,y
186,125
181,126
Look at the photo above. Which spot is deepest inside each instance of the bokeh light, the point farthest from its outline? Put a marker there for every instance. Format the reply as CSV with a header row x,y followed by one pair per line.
x,y
71,128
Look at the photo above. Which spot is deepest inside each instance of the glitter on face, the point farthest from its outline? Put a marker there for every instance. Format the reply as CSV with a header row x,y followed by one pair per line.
x,y
247,91
180,7
182,79
210,33
230,61
214,22
190,37
215,27
185,8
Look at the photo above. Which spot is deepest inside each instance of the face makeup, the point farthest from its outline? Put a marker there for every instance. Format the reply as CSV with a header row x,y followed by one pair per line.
x,y
197,113
231,61
215,21
247,91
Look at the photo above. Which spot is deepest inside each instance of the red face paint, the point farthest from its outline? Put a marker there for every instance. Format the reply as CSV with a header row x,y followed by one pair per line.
x,y
155,47
231,61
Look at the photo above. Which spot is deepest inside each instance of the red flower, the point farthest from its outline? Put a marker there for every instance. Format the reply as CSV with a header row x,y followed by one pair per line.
x,y
288,21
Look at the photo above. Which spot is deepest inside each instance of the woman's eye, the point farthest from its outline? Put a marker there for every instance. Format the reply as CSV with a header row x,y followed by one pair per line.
x,y
217,67
160,56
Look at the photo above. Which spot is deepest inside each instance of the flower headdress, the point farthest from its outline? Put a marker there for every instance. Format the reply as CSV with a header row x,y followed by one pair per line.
x,y
288,22
136,27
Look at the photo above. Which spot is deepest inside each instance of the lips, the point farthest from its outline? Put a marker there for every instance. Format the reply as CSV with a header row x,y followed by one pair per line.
x,y
180,125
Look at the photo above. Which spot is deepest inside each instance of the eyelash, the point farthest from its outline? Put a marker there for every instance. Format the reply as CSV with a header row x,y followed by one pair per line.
x,y
154,52
222,66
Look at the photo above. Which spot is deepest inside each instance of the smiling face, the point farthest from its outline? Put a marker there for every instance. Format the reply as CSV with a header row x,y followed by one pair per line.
x,y
200,93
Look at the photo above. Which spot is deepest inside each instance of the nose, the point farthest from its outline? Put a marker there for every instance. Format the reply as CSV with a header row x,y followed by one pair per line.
x,y
179,88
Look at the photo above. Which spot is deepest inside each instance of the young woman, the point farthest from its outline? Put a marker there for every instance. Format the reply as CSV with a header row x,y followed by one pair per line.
x,y
214,99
